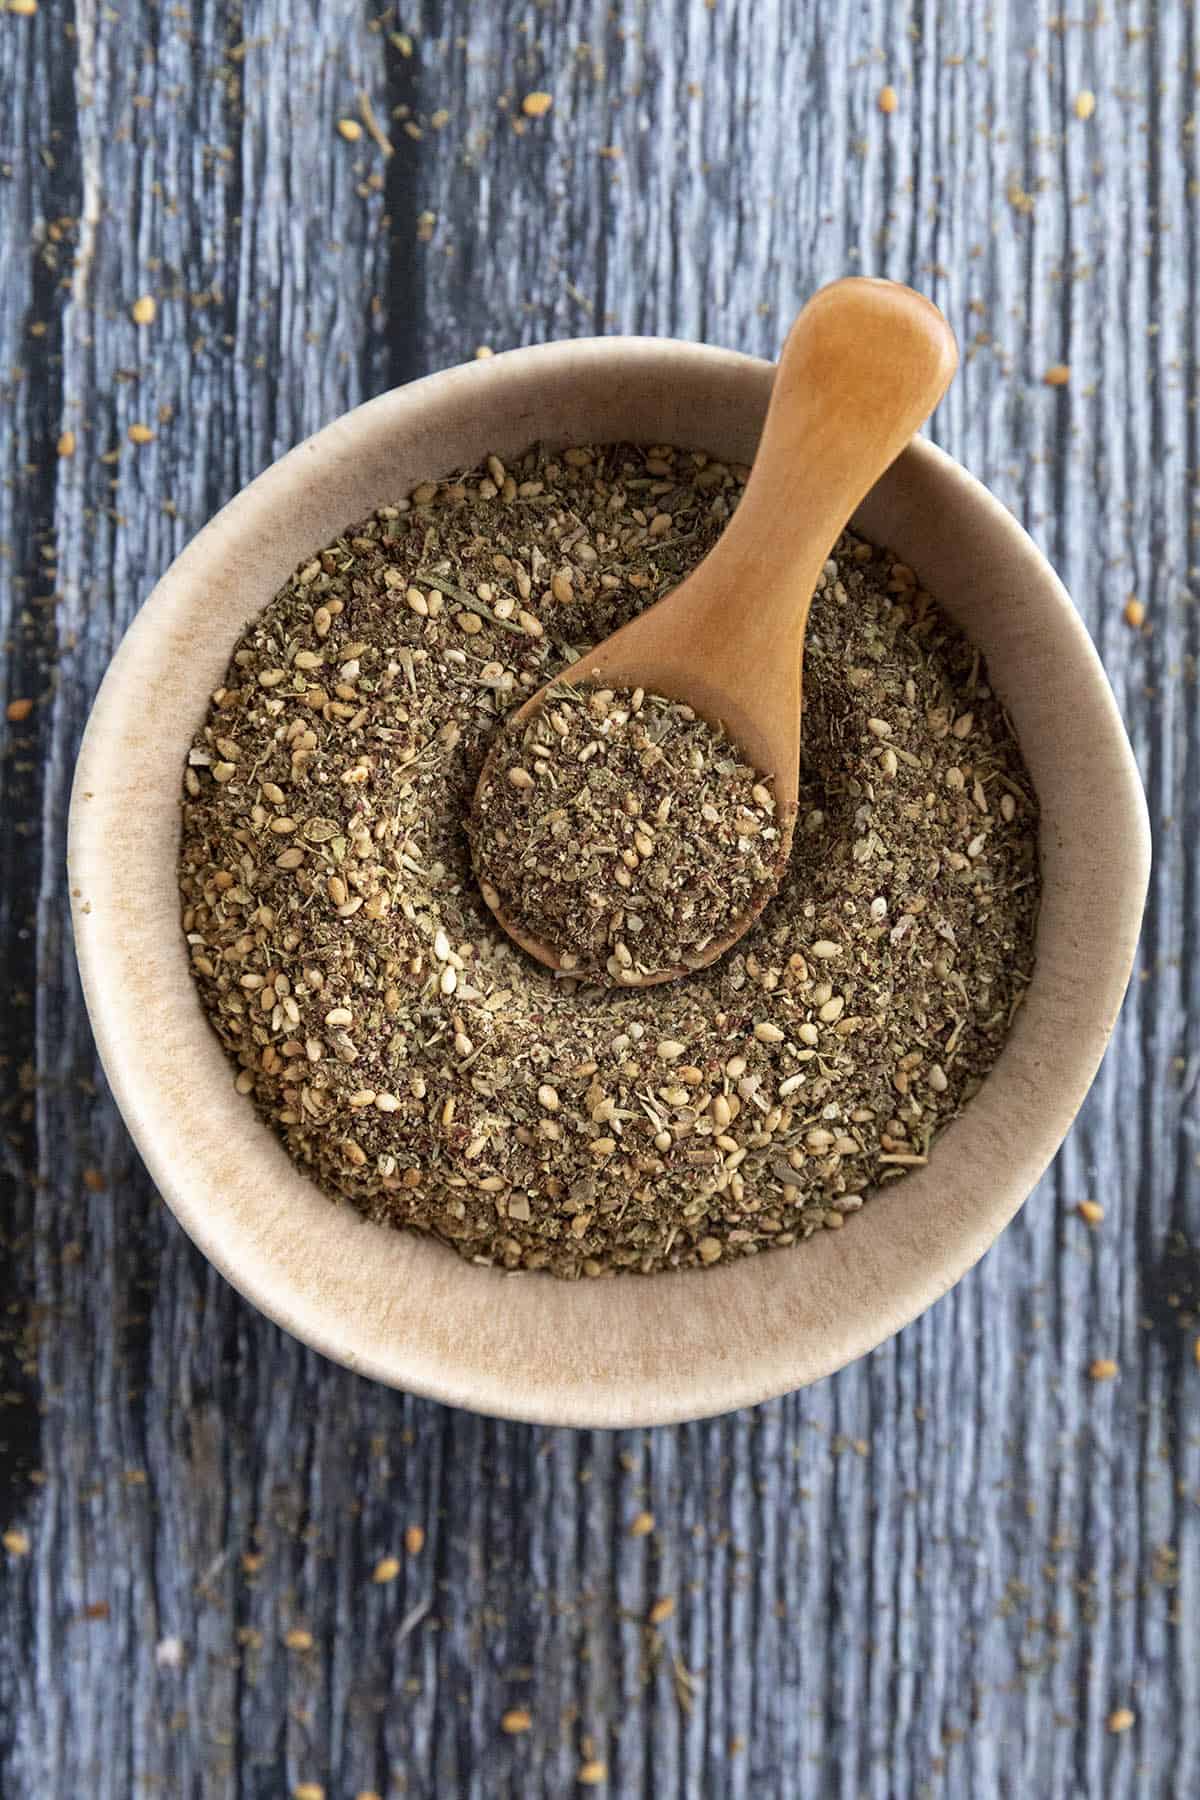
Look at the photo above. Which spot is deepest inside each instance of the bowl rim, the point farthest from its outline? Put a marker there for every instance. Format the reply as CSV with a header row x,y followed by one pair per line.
x,y
299,1299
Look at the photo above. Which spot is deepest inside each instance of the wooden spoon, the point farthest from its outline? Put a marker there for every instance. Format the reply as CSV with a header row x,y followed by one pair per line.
x,y
864,365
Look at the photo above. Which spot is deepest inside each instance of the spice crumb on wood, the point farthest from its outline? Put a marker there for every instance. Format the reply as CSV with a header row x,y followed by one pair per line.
x,y
419,1065
374,129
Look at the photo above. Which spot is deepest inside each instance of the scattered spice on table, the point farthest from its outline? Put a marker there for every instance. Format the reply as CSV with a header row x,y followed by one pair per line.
x,y
620,829
418,1064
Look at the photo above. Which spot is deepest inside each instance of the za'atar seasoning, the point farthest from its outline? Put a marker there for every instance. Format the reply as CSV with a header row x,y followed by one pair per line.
x,y
419,1065
624,832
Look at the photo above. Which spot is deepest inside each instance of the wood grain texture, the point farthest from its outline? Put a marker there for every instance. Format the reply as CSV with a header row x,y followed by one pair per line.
x,y
938,1573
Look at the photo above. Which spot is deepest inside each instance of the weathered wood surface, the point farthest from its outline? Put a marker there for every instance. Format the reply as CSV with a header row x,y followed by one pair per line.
x,y
937,1574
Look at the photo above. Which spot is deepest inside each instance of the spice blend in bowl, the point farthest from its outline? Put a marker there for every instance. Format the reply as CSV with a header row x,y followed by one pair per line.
x,y
623,832
419,1065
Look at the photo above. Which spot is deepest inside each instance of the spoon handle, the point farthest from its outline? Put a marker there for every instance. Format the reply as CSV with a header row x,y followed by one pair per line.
x,y
864,365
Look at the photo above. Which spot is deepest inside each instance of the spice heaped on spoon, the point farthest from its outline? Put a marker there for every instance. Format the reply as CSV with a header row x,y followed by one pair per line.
x,y
629,828
864,365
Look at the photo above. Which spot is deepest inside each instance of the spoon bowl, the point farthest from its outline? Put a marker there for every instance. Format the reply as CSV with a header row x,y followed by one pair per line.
x,y
863,366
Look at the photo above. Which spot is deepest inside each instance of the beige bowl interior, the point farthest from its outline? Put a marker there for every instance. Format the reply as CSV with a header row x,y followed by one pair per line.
x,y
406,1310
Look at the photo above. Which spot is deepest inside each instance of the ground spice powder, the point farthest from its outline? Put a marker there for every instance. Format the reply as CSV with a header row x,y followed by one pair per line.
x,y
417,1064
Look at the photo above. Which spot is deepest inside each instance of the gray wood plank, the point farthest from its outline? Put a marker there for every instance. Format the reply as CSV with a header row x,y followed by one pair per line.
x,y
938,1573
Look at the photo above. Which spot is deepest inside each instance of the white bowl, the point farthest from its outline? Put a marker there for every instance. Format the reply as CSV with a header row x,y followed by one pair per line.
x,y
634,1350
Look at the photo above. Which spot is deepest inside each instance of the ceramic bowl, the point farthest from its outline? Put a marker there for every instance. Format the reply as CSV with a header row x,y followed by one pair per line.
x,y
404,1309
